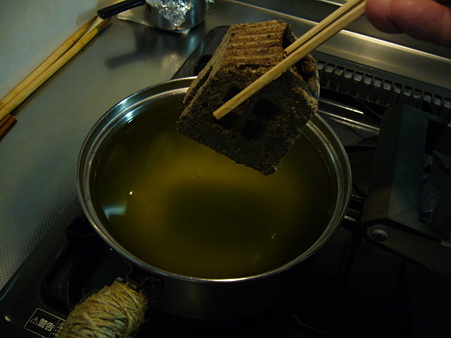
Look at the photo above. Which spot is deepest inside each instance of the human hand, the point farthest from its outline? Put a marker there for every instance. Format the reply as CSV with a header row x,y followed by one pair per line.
x,y
427,20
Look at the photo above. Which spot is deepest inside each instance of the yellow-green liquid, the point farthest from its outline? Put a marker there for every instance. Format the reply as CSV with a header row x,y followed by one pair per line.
x,y
184,208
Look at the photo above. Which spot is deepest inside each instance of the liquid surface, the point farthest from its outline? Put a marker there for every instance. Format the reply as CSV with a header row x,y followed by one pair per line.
x,y
184,208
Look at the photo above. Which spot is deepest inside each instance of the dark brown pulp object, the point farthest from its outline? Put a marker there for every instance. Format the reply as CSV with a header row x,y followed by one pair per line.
x,y
261,131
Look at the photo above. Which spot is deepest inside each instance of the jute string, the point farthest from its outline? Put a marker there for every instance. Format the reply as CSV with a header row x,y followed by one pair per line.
x,y
114,311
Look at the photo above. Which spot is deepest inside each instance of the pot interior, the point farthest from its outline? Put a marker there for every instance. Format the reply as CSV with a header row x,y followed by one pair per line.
x,y
176,206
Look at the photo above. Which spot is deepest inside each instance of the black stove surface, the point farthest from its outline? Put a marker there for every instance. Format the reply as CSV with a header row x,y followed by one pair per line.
x,y
376,277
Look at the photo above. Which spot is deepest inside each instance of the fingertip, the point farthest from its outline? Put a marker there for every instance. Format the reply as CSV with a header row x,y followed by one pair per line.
x,y
378,13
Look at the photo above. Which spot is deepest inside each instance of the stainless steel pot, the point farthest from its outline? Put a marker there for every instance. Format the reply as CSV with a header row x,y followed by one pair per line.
x,y
201,297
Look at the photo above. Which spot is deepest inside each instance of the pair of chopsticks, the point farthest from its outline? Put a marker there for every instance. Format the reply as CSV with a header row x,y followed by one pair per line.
x,y
46,69
321,32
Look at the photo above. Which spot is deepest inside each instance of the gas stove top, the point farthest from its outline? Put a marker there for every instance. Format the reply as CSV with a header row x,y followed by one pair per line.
x,y
386,271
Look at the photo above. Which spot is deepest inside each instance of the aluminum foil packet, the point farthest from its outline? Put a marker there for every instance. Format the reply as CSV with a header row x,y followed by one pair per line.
x,y
173,10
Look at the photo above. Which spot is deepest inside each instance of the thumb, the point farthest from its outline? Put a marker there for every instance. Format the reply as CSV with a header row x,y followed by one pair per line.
x,y
426,20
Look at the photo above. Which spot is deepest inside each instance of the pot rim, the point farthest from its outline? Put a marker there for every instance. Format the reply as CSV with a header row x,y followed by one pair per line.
x,y
128,108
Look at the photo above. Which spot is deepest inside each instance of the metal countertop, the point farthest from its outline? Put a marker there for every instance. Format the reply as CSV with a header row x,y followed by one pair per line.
x,y
38,157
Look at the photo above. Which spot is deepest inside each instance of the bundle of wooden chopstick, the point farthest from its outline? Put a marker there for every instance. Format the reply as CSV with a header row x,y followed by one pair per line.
x,y
321,32
49,67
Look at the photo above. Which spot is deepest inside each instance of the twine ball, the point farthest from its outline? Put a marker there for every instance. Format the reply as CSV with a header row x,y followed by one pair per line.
x,y
114,311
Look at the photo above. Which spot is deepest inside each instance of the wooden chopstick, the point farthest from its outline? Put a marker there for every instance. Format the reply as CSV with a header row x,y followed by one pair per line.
x,y
47,62
6,123
323,31
338,13
4,120
49,67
